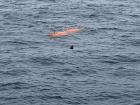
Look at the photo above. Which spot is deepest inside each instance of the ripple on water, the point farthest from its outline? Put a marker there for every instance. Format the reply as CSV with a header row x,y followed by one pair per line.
x,y
20,42
14,85
134,42
46,61
119,59
14,72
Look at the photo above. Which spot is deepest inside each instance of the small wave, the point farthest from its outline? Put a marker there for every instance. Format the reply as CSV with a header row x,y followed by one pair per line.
x,y
113,28
106,96
93,15
137,103
119,58
112,95
19,42
134,42
46,60
121,5
7,98
14,85
42,97
124,72
47,0
107,59
124,58
52,97
110,61
92,5
4,62
15,72
135,15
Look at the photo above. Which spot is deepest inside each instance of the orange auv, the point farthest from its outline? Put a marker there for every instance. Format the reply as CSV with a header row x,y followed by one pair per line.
x,y
72,30
64,33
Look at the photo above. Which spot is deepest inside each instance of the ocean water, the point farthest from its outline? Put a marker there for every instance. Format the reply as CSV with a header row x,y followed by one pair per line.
x,y
102,69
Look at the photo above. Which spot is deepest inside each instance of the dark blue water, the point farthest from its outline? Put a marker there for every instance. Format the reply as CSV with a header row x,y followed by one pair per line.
x,y
102,69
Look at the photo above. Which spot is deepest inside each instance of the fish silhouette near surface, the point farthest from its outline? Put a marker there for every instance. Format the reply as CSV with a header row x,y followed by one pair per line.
x,y
64,33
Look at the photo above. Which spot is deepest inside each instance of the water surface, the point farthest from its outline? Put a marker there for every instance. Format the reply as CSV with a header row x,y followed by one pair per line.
x,y
102,69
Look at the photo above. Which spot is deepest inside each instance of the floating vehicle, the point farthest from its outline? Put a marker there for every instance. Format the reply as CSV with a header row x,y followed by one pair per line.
x,y
64,33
